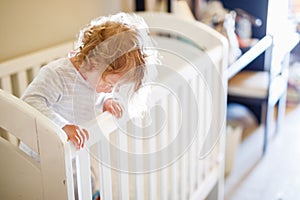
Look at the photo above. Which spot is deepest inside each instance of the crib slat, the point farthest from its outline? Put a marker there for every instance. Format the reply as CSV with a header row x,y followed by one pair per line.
x,y
185,131
173,129
192,168
123,177
193,151
139,186
105,173
35,70
6,84
209,137
163,143
114,163
152,177
215,133
131,163
22,82
139,178
201,132
84,175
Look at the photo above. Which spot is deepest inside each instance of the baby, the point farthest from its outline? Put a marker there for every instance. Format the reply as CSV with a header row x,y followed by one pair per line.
x,y
74,90
71,91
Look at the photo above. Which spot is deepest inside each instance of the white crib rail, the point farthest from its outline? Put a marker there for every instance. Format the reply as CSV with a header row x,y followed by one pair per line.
x,y
53,175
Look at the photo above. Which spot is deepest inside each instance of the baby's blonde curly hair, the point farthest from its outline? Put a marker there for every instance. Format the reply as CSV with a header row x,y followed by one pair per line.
x,y
113,47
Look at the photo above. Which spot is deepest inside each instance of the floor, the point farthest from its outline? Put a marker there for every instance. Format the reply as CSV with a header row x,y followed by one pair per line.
x,y
275,176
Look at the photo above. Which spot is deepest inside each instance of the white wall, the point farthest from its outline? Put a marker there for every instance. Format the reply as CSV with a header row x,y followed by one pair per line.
x,y
29,25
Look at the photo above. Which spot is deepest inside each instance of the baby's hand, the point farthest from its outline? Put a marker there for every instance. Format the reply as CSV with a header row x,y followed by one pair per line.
x,y
77,135
113,107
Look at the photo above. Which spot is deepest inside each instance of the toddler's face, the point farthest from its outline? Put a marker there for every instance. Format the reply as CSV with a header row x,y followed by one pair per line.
x,y
106,84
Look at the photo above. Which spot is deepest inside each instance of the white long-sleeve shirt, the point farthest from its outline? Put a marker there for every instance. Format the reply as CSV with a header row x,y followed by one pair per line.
x,y
61,93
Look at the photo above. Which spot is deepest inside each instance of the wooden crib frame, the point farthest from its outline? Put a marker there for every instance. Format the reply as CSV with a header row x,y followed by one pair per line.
x,y
52,178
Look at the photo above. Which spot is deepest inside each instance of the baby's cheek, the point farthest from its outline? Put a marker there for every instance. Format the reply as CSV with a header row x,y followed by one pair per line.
x,y
99,89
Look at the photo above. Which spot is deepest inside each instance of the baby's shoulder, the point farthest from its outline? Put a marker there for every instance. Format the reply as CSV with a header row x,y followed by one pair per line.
x,y
58,66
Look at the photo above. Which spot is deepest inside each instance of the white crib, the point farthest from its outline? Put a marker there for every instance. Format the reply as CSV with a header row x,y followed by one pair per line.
x,y
181,162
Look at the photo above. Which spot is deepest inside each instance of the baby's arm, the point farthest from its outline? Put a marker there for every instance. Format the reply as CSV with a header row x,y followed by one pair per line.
x,y
42,93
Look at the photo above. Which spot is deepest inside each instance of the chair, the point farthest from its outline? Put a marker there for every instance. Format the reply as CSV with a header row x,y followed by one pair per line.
x,y
263,89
